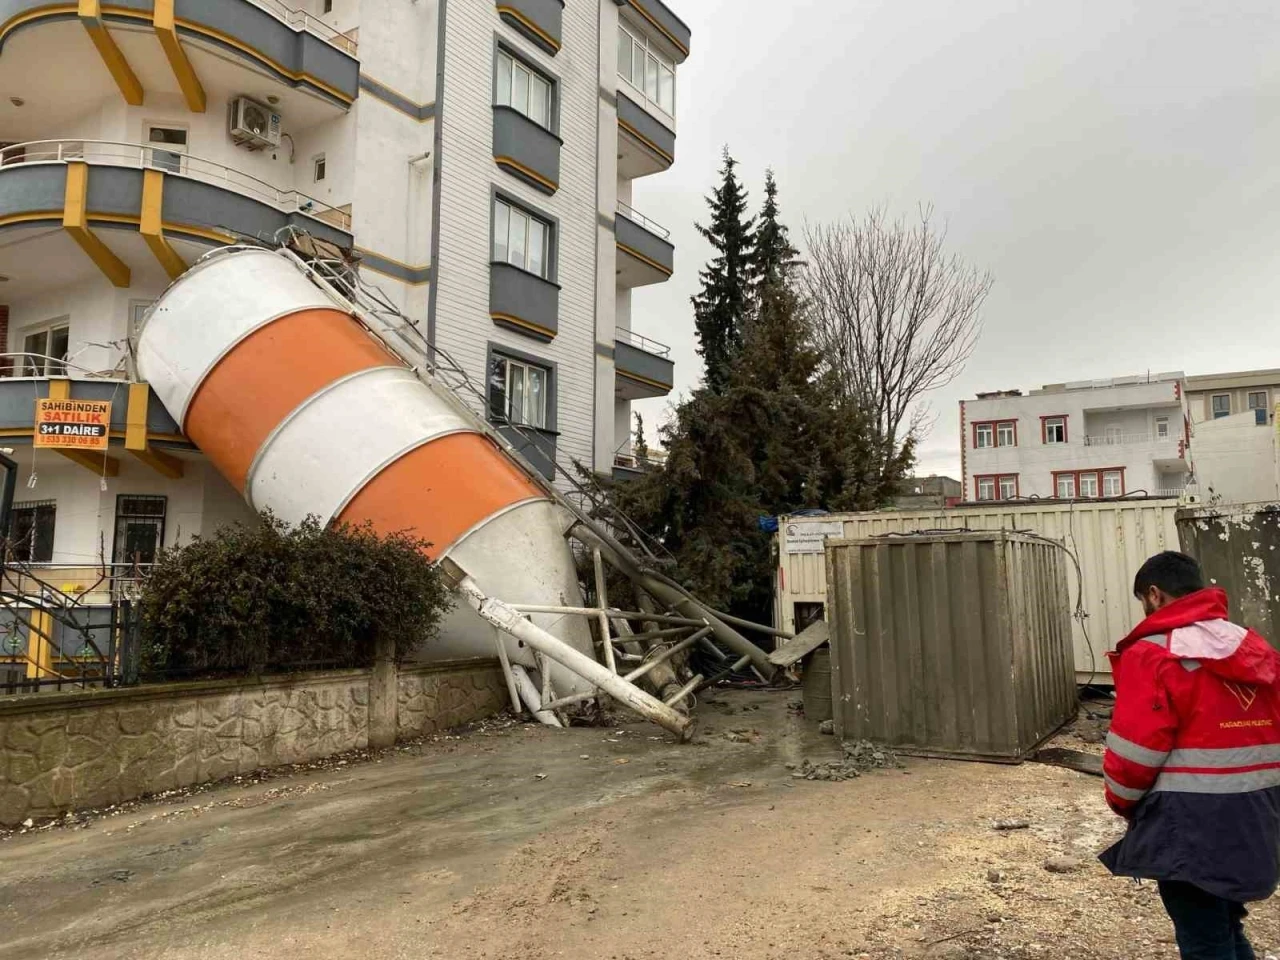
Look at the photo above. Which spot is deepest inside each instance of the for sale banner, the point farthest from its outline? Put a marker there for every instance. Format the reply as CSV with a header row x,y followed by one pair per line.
x,y
82,424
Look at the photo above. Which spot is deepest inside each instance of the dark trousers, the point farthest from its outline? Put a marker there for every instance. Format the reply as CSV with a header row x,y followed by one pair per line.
x,y
1207,927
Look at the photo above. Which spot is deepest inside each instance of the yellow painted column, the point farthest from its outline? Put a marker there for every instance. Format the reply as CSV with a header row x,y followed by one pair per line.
x,y
151,224
75,220
166,28
136,440
90,13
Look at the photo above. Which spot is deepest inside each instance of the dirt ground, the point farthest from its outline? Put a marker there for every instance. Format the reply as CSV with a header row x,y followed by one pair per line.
x,y
525,843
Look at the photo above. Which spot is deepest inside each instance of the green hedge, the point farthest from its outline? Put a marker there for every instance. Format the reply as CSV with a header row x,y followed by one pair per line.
x,y
270,597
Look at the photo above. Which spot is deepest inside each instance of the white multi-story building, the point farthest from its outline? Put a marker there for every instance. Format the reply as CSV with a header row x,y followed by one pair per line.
x,y
476,160
1100,438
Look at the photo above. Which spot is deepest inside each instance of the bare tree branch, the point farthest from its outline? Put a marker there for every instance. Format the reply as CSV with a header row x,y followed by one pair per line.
x,y
894,315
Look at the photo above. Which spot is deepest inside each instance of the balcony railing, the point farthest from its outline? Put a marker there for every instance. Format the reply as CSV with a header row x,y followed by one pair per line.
x,y
635,216
1126,439
643,343
156,157
301,20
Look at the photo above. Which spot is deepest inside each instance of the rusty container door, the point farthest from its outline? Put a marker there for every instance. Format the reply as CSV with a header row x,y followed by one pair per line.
x,y
950,644
1239,548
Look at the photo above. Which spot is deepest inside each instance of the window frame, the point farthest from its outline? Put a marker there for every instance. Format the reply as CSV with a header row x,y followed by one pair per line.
x,y
550,247
153,147
552,122
1213,405
1078,477
1053,420
980,430
1103,475
513,359
661,60
48,367
997,482
1162,422
319,168
34,507
119,539
1257,393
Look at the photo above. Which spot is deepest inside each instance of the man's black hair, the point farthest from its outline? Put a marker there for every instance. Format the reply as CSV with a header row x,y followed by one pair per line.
x,y
1175,573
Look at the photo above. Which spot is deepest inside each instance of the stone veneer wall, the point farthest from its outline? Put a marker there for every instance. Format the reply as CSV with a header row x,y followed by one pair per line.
x,y
67,751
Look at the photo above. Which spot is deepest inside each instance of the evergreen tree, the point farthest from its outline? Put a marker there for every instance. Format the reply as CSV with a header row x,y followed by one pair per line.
x,y
639,446
774,259
773,434
720,308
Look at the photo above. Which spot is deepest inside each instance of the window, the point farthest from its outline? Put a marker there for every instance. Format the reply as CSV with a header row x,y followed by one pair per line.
x,y
1088,484
1258,400
326,6
171,145
1113,483
518,391
995,433
1162,428
983,435
1082,483
318,168
1066,486
1006,435
1221,405
45,351
647,70
1054,429
524,90
1004,487
521,239
31,531
139,528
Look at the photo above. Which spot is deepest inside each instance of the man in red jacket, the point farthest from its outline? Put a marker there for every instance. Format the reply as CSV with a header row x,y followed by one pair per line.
x,y
1193,759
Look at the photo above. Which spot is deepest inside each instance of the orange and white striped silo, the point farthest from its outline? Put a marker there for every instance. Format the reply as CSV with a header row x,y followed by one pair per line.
x,y
306,414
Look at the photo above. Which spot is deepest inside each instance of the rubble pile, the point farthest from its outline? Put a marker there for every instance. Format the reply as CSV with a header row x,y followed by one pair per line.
x,y
857,757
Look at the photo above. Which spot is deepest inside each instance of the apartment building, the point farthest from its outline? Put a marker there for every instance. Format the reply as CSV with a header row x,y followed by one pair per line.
x,y
475,161
1100,438
1219,395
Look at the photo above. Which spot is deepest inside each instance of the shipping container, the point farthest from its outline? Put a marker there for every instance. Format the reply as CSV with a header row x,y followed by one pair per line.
x,y
950,644
1110,538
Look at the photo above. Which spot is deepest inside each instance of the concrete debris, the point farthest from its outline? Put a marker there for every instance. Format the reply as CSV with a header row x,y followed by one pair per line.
x,y
858,757
827,727
743,735
1011,825
1064,865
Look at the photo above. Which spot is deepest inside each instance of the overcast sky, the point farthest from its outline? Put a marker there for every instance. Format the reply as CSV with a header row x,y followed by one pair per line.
x,y
1114,163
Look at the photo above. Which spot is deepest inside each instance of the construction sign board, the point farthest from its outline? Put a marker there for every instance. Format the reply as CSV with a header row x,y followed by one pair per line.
x,y
79,424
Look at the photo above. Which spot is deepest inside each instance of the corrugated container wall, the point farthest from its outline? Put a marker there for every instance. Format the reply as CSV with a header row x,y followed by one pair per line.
x,y
1110,538
954,644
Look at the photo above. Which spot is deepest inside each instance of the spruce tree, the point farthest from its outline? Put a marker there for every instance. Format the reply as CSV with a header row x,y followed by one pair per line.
x,y
720,308
774,259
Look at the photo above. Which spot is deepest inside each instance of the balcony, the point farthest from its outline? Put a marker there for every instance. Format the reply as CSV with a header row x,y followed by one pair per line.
x,y
201,50
658,17
526,150
1167,453
627,466
131,207
538,20
645,145
642,367
645,254
523,302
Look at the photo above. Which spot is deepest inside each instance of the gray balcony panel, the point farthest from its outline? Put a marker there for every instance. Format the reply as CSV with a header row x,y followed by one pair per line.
x,y
539,449
33,188
645,127
522,302
526,150
539,20
18,397
202,204
649,245
648,367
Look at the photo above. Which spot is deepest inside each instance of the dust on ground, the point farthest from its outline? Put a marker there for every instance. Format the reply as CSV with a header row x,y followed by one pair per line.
x,y
525,843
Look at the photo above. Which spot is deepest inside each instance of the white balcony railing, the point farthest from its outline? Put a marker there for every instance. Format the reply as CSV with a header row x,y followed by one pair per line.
x,y
1127,439
301,20
638,218
156,157
643,343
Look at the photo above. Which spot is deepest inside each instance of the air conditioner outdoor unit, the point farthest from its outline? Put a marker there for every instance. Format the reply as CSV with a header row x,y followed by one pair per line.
x,y
254,125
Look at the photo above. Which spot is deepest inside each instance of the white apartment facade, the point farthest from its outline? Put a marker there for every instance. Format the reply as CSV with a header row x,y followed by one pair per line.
x,y
1093,439
475,159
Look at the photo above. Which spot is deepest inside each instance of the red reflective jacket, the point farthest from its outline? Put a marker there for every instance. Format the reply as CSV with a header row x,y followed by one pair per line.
x,y
1193,756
